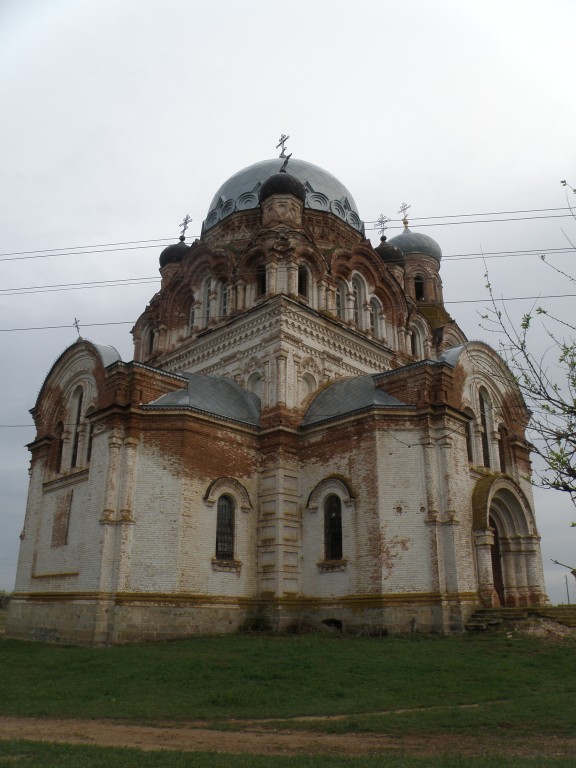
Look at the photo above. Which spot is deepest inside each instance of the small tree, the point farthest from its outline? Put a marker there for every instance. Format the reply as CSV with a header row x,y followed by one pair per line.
x,y
547,382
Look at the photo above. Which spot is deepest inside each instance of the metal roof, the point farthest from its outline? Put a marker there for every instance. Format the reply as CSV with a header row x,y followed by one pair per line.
x,y
215,395
323,191
347,396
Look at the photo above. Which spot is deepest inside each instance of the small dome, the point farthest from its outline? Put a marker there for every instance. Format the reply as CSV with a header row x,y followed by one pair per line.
x,y
414,242
174,252
324,192
390,254
282,183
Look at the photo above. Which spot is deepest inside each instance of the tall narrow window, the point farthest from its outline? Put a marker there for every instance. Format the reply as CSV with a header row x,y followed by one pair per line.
x,y
333,528
150,342
303,281
340,300
485,422
192,315
206,302
419,287
223,300
375,318
77,405
261,280
357,297
225,528
470,438
89,436
502,447
59,451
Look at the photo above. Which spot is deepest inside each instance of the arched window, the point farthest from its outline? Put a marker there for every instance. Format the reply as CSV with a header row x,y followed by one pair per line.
x,y
59,448
225,528
255,383
375,319
419,287
192,314
308,384
485,419
503,447
356,302
223,310
303,281
150,342
206,303
261,283
416,342
333,527
89,436
469,429
77,399
341,292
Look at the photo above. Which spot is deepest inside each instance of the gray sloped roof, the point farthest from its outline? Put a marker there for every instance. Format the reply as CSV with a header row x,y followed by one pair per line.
x,y
451,355
347,396
215,395
107,354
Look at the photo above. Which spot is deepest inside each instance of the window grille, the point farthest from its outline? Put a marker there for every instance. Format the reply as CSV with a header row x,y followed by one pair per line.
x,y
333,528
225,528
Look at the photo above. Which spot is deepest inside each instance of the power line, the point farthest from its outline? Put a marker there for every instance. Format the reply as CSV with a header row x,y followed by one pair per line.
x,y
71,325
82,247
58,252
513,298
153,242
487,300
483,221
56,288
469,215
120,282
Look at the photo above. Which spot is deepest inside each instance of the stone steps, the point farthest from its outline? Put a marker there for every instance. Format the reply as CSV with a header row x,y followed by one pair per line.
x,y
492,618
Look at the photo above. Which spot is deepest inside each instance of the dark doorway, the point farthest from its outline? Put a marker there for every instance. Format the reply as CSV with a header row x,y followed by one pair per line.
x,y
497,574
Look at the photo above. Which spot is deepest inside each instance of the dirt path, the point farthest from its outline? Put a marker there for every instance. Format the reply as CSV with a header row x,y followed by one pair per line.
x,y
254,740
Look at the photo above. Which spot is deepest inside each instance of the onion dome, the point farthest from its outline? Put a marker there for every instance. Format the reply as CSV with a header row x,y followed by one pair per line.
x,y
282,183
174,252
323,192
390,254
414,242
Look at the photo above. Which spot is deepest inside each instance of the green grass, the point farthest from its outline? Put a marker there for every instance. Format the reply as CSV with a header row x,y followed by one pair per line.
x,y
36,755
217,678
483,687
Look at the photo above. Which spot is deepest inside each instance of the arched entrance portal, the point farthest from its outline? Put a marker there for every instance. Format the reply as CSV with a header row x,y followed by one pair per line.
x,y
509,566
496,557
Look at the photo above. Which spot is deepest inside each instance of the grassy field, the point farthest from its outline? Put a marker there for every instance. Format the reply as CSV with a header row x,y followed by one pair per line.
x,y
489,689
32,755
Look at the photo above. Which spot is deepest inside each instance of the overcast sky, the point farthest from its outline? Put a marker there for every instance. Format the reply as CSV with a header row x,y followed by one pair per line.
x,y
120,116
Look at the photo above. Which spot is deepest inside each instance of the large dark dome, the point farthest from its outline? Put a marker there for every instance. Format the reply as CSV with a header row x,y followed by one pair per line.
x,y
323,191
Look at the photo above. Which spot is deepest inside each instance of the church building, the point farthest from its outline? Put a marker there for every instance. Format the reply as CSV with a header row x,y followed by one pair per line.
x,y
305,437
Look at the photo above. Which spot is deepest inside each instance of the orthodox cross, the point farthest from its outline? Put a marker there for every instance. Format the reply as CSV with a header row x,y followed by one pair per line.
x,y
382,223
403,209
281,141
76,325
285,163
184,225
